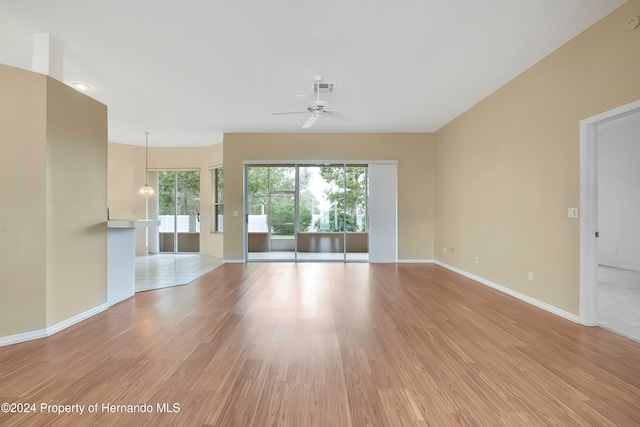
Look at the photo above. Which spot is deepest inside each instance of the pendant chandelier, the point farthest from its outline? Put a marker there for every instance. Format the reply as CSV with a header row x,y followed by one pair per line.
x,y
146,191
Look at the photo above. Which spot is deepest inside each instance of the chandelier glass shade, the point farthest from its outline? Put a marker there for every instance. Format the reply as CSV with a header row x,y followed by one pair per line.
x,y
146,190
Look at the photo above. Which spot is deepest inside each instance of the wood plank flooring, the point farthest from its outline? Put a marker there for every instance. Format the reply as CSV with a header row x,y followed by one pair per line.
x,y
326,345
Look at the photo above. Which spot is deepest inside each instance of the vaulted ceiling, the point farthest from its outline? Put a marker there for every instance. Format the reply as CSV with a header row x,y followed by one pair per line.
x,y
189,71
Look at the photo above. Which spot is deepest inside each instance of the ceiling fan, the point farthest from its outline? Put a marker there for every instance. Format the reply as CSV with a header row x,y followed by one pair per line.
x,y
317,107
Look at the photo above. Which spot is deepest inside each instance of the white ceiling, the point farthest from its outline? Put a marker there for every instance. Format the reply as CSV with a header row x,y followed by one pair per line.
x,y
189,71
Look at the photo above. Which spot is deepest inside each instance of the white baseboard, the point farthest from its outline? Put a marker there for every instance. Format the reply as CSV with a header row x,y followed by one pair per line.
x,y
416,261
233,261
43,333
75,319
26,336
522,297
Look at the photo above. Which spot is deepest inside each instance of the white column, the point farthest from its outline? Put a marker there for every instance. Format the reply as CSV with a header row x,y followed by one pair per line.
x,y
48,56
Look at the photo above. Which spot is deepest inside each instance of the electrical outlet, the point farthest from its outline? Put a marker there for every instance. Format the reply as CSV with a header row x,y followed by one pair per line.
x,y
444,251
531,275
477,260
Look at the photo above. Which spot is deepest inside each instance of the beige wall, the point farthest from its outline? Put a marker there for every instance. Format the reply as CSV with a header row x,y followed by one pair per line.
x,y
414,152
22,202
508,169
76,202
126,176
52,217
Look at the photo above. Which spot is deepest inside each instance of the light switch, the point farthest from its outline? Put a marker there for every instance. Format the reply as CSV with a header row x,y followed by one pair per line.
x,y
572,213
235,213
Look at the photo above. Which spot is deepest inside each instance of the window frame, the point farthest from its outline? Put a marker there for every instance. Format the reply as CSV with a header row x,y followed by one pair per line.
x,y
217,198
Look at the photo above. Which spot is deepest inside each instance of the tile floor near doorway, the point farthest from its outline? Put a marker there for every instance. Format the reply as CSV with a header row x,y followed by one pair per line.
x,y
619,301
165,270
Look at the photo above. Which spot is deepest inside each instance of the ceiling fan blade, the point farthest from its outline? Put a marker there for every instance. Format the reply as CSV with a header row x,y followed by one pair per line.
x,y
340,103
308,101
291,112
338,116
311,121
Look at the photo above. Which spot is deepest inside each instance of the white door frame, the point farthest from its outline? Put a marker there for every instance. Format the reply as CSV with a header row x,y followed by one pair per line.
x,y
589,209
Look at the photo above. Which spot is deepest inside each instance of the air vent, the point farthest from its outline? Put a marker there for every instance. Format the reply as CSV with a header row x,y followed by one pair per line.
x,y
324,87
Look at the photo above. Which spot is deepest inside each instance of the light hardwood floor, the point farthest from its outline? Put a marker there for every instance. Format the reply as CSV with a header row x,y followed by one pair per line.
x,y
328,345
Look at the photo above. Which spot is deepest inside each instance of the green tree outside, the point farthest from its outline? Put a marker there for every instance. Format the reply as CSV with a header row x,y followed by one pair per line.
x,y
283,212
188,194
265,182
347,208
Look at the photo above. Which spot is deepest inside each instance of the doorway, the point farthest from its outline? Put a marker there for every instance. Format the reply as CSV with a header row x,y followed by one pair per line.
x,y
179,211
592,243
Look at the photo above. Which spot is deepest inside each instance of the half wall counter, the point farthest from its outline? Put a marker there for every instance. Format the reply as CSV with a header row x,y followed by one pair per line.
x,y
121,253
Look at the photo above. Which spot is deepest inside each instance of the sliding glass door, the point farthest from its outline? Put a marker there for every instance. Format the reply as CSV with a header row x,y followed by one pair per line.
x,y
271,219
179,211
321,196
356,212
306,212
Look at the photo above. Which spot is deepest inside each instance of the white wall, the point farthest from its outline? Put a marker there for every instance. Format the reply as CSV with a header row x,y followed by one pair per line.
x,y
619,197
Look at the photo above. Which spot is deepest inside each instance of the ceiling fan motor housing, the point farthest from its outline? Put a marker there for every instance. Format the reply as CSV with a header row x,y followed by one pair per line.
x,y
324,87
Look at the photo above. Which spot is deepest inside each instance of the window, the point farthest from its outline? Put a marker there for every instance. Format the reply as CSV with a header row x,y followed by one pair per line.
x,y
217,209
179,210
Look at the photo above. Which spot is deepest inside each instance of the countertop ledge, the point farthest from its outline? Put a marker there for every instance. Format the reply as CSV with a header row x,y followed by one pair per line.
x,y
132,223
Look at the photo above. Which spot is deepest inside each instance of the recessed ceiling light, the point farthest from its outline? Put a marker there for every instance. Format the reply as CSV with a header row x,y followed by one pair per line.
x,y
81,86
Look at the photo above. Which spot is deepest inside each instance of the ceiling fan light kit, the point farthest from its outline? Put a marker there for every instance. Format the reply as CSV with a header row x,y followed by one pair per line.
x,y
317,107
